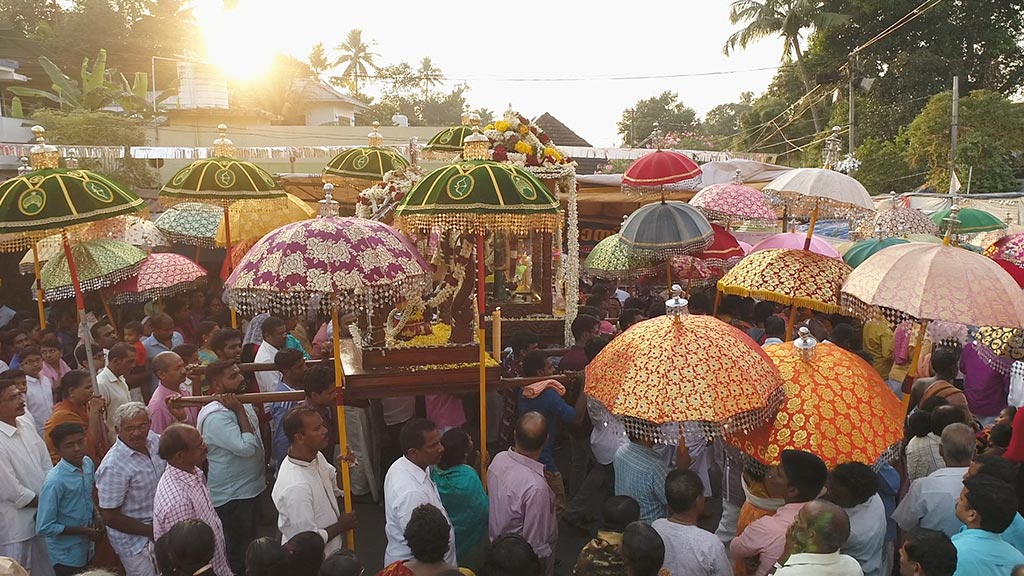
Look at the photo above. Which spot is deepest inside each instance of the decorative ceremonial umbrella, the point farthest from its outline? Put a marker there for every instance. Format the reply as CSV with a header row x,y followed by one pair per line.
x,y
613,260
685,369
248,223
99,263
221,181
652,172
472,197
900,221
860,251
446,145
971,220
326,263
836,407
161,275
1015,271
691,271
796,241
734,201
238,251
723,253
1008,248
38,202
136,231
814,192
745,246
192,224
358,168
1000,347
789,277
666,227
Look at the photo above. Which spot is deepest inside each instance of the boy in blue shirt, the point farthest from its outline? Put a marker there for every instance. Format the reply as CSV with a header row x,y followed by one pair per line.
x,y
66,514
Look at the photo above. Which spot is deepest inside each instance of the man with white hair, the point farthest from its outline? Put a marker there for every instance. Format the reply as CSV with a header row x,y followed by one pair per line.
x,y
126,482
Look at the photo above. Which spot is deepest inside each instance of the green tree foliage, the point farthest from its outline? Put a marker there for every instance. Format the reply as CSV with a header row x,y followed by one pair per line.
x,y
991,141
317,61
665,109
884,167
357,58
402,93
90,128
429,75
722,123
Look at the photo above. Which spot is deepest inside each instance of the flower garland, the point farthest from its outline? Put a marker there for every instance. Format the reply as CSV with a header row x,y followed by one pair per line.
x,y
396,184
519,142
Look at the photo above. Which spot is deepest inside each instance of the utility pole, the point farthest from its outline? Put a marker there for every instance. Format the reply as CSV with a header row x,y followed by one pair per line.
x,y
955,132
853,57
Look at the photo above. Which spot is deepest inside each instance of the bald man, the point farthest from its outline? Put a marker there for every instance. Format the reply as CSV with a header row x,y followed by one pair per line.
x,y
521,501
169,369
813,542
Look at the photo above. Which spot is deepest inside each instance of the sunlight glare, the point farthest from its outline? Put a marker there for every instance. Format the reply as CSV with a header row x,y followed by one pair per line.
x,y
236,40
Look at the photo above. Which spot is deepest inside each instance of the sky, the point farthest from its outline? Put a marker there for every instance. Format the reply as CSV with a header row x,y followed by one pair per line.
x,y
582,61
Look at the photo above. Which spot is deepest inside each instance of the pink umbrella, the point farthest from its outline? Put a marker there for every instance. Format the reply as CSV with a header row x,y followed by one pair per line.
x,y
795,241
161,274
733,202
745,246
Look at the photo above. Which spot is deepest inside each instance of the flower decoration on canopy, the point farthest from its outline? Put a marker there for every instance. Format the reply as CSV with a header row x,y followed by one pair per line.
x,y
516,140
397,183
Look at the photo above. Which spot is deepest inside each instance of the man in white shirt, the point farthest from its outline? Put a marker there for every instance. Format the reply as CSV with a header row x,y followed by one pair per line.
x,y
39,398
408,484
24,464
931,501
306,492
813,542
110,382
853,487
275,332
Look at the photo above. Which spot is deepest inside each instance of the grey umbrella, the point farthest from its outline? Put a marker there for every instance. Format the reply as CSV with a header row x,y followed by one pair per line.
x,y
666,227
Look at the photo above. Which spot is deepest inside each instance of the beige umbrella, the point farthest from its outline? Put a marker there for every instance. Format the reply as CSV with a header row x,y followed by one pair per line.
x,y
817,192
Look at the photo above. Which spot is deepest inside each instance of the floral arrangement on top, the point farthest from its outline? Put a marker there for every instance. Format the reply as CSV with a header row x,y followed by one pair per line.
x,y
516,140
396,184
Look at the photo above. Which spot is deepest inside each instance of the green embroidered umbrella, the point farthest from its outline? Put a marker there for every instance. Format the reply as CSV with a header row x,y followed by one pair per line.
x,y
972,221
861,251
612,260
361,167
446,145
101,263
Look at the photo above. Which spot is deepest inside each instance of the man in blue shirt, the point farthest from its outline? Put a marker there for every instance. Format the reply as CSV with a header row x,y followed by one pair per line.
x,y
554,409
986,507
163,339
66,515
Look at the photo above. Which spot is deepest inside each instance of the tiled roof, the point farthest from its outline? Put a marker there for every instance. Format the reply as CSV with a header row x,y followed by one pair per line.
x,y
560,134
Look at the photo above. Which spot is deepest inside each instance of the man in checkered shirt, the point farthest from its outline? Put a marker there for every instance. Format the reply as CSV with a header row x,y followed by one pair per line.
x,y
126,482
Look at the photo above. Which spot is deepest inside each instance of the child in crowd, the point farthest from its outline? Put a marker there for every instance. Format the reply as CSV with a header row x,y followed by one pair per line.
x,y
133,334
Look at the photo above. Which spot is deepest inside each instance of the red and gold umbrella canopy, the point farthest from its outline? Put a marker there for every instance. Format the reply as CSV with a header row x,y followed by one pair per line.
x,y
724,252
836,407
789,277
686,369
652,172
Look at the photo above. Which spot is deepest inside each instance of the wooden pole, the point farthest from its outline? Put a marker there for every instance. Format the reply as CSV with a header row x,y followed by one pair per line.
x,y
79,302
39,287
792,321
496,333
106,308
227,252
908,382
668,272
339,382
480,336
810,227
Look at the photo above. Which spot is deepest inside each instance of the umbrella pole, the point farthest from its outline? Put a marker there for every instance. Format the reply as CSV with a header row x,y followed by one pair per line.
x,y
912,371
480,337
718,301
810,227
227,254
668,272
339,382
39,287
79,303
106,308
792,321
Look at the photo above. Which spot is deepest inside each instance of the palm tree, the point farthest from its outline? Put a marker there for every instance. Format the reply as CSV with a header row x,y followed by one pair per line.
x,y
784,18
356,57
318,63
429,75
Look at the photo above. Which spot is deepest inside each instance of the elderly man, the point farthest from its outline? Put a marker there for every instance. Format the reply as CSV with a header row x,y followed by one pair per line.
x,y
521,501
306,492
24,464
931,501
813,542
182,493
854,487
111,383
237,467
987,507
275,335
170,372
126,482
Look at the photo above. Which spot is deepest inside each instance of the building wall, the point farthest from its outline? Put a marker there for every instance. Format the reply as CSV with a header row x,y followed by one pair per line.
x,y
320,113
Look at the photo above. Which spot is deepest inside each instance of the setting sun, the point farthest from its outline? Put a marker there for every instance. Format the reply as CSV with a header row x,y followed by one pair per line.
x,y
236,40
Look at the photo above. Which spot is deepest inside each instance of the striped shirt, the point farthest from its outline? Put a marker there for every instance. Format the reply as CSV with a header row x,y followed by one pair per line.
x,y
127,479
640,474
181,495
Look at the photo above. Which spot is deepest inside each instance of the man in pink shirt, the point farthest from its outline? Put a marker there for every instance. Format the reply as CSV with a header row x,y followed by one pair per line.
x,y
170,371
798,479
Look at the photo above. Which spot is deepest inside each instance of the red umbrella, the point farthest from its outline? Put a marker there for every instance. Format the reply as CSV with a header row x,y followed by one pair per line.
x,y
651,172
724,251
1016,271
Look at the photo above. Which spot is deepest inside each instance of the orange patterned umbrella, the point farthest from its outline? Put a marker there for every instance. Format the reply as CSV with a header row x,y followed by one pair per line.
x,y
788,277
686,369
836,407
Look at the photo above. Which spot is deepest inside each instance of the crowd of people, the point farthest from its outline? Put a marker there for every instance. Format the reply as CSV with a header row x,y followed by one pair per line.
x,y
113,473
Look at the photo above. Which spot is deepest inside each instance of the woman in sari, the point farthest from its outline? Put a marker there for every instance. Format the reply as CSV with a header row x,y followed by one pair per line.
x,y
463,497
80,405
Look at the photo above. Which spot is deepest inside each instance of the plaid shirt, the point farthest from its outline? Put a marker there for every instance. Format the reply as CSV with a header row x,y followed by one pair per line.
x,y
181,496
127,479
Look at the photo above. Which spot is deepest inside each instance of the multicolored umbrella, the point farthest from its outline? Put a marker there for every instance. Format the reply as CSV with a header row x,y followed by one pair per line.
x,y
161,275
724,252
248,222
652,172
613,260
1008,248
685,369
971,220
191,224
358,168
100,263
691,271
836,407
860,251
730,202
789,277
900,221
817,192
666,227
796,241
936,282
1000,347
